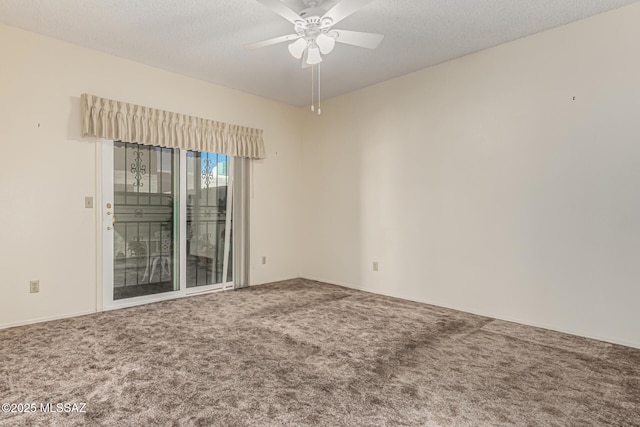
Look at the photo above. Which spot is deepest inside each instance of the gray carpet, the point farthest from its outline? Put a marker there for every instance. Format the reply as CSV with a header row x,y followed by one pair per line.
x,y
305,353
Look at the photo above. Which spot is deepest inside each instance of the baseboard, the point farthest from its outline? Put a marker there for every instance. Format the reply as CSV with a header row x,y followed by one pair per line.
x,y
365,289
275,280
45,319
133,304
485,314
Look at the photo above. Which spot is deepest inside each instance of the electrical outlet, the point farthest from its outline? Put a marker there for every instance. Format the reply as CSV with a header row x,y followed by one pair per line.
x,y
264,260
34,286
375,265
88,202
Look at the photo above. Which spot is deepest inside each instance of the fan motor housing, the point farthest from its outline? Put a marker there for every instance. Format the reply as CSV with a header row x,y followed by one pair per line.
x,y
312,3
312,12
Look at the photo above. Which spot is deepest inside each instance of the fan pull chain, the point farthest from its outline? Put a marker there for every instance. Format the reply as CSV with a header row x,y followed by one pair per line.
x,y
313,108
319,109
314,76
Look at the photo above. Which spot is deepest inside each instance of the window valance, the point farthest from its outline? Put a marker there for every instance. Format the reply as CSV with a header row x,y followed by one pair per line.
x,y
106,118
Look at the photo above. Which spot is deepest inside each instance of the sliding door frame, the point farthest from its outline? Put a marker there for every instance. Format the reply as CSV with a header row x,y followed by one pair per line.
x,y
106,235
227,236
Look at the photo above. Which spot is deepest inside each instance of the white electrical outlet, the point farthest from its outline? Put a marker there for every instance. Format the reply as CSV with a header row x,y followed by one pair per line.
x,y
264,260
34,286
375,265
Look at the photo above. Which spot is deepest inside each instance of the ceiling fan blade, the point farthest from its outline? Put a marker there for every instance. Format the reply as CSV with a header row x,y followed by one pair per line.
x,y
281,9
272,41
345,8
356,38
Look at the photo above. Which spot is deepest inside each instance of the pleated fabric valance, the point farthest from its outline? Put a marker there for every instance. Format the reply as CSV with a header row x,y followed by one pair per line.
x,y
119,121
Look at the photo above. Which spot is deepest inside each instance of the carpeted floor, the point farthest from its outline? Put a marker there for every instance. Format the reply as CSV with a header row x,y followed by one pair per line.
x,y
306,353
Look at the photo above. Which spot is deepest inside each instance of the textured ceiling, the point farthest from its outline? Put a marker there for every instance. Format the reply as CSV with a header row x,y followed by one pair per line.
x,y
205,39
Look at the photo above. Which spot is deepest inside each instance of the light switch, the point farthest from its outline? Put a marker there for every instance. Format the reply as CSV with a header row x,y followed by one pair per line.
x,y
88,202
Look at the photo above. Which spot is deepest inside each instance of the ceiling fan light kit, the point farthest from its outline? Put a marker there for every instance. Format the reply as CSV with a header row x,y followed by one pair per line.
x,y
326,42
314,56
314,35
296,49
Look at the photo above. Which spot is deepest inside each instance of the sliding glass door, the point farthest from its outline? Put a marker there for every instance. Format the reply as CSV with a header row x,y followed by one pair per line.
x,y
167,223
144,205
207,190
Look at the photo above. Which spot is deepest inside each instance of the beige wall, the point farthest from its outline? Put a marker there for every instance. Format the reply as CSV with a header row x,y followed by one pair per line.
x,y
47,168
481,185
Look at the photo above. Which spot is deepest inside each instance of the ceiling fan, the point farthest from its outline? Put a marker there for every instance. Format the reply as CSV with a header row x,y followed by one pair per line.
x,y
314,34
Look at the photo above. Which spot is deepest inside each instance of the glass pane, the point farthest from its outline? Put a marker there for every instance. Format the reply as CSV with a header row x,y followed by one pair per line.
x,y
207,180
144,217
